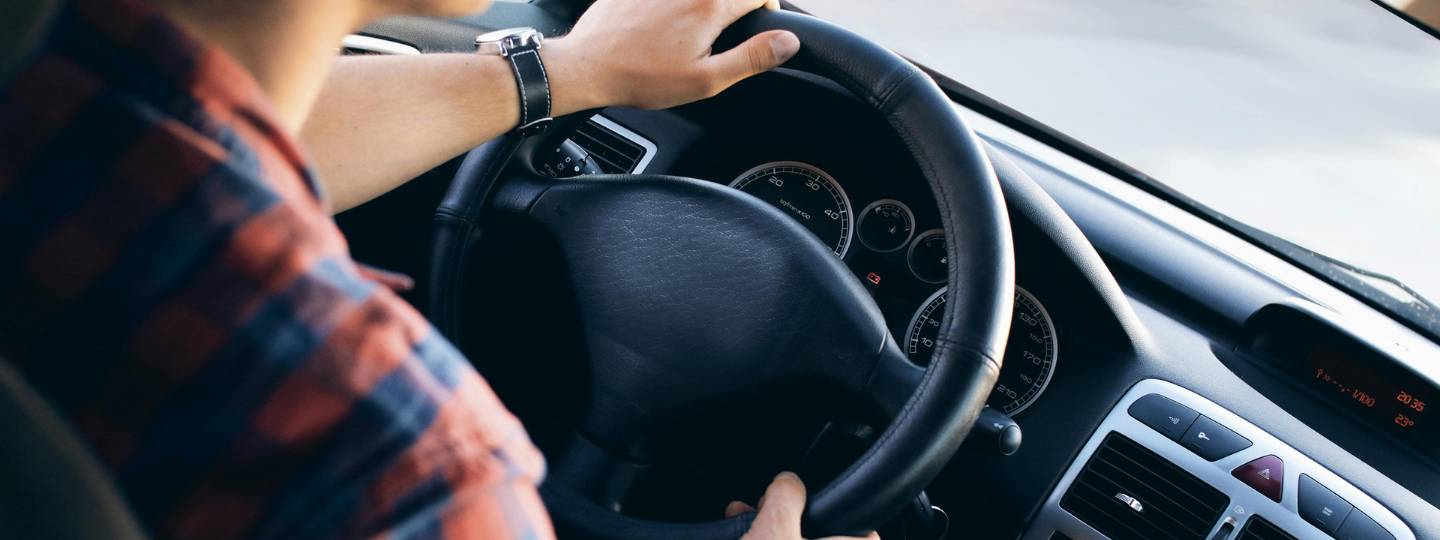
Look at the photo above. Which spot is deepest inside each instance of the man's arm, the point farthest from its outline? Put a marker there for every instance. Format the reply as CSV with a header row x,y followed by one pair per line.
x,y
381,121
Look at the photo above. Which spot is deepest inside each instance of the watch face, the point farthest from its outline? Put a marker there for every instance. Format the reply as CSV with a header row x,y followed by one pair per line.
x,y
511,37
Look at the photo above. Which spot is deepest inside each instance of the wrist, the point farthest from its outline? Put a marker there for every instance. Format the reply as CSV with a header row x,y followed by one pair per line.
x,y
577,81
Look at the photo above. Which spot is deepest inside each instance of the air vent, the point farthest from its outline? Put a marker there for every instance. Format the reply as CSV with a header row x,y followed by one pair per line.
x,y
1259,529
615,149
1128,492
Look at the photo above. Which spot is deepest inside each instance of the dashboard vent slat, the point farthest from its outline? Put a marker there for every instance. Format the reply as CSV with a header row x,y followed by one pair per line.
x,y
614,153
1256,528
1129,492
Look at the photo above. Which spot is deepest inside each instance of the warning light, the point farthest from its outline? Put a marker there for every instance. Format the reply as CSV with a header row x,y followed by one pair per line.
x,y
873,278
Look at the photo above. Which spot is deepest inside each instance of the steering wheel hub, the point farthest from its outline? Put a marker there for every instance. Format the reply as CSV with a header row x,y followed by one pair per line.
x,y
693,293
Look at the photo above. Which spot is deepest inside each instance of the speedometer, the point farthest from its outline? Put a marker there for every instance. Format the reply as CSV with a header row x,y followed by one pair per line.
x,y
1029,355
806,193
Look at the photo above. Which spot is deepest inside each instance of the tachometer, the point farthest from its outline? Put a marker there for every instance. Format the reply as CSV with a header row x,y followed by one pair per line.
x,y
1029,357
807,194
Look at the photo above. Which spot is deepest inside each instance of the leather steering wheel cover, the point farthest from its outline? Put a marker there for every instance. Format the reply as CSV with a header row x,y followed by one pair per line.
x,y
457,228
966,362
967,358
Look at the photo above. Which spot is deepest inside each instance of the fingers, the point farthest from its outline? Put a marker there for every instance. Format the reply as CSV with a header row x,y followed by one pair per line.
x,y
736,508
760,53
782,506
781,509
738,8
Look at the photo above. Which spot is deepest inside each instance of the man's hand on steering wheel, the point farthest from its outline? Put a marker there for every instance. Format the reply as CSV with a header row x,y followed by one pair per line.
x,y
655,55
780,510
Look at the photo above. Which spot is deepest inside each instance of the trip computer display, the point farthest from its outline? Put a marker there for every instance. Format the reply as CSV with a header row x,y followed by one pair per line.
x,y
1395,402
1312,350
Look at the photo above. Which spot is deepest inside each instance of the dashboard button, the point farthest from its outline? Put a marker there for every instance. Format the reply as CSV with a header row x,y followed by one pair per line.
x,y
1266,474
1211,440
1360,527
1320,506
1163,415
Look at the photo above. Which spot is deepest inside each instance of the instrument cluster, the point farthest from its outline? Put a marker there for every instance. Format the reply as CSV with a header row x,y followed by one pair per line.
x,y
903,261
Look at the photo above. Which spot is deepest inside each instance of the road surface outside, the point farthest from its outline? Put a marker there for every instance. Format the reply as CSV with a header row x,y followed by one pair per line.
x,y
1316,120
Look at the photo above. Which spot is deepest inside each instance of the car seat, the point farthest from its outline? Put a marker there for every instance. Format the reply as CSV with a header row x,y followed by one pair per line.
x,y
51,485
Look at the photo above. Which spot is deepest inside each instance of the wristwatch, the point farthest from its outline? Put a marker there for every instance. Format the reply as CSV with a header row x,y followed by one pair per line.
x,y
521,46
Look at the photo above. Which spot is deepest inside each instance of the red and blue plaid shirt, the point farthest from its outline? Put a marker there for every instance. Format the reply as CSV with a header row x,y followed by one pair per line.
x,y
171,280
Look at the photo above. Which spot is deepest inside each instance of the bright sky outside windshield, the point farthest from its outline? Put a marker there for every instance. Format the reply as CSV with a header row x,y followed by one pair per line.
x,y
1315,120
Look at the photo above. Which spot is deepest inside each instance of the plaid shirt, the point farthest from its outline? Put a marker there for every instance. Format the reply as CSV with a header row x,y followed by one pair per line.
x,y
171,280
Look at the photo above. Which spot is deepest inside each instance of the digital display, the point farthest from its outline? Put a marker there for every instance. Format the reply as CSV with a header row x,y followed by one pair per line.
x,y
1394,402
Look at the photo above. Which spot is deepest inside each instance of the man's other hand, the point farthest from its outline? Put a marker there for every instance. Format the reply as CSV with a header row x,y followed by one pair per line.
x,y
780,511
654,55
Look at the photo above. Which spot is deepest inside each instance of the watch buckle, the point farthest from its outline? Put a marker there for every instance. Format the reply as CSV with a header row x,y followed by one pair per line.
x,y
537,126
519,41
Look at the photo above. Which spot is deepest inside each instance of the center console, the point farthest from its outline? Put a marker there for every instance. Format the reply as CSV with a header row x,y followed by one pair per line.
x,y
1168,463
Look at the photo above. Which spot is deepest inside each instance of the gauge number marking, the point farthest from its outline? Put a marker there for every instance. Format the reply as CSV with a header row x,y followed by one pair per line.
x,y
806,193
1030,355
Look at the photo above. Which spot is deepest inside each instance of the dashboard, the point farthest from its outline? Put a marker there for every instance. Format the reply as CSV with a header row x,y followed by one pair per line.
x,y
1119,297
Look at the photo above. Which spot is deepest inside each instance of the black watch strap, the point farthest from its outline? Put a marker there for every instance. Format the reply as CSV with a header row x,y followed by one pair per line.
x,y
534,87
521,47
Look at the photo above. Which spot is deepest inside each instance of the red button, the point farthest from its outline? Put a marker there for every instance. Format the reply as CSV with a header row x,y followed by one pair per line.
x,y
1265,474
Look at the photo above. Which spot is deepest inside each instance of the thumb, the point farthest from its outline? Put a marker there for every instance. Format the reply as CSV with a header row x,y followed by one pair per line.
x,y
782,507
760,53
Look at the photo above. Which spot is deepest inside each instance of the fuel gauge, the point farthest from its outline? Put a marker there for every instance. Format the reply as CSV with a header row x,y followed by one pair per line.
x,y
928,258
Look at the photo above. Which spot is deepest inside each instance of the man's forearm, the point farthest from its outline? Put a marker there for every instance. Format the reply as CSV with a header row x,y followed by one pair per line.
x,y
382,120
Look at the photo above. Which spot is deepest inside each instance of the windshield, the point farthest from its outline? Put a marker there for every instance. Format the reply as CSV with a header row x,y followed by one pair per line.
x,y
1317,121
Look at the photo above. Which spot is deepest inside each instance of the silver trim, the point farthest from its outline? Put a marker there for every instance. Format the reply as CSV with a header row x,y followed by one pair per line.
x,y
1132,502
910,254
844,197
1044,315
377,45
860,220
631,136
1244,501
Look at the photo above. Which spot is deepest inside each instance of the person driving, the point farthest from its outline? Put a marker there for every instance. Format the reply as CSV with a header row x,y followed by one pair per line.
x,y
172,280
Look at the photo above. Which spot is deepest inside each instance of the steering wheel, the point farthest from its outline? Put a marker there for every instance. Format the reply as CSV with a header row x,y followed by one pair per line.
x,y
663,272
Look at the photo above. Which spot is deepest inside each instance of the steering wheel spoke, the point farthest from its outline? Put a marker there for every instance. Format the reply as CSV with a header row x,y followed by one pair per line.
x,y
519,191
893,381
594,472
